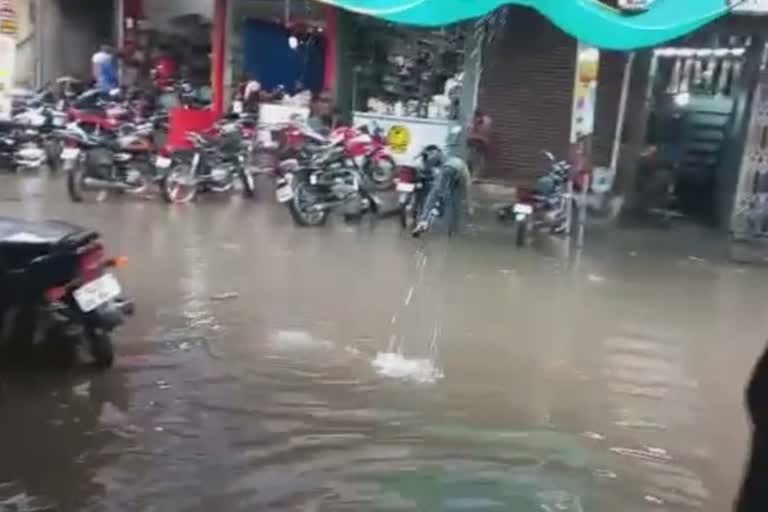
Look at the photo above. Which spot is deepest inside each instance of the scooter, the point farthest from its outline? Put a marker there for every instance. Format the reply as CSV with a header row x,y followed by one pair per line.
x,y
57,289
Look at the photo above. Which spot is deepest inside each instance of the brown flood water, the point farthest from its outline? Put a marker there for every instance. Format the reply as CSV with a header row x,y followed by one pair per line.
x,y
354,369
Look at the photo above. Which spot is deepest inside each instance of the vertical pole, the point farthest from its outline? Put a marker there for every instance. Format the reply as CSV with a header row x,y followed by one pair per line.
x,y
218,55
582,126
329,76
119,27
619,132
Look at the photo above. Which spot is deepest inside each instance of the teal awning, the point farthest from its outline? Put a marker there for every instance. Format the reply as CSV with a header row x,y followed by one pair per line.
x,y
587,20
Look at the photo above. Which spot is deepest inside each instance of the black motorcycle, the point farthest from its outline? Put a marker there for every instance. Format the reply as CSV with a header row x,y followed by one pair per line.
x,y
215,164
56,290
97,164
413,185
325,183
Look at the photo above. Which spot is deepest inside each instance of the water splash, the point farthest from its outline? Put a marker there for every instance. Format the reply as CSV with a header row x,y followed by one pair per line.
x,y
397,366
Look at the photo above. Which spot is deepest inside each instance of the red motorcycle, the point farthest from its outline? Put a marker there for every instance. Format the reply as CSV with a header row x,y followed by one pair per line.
x,y
369,152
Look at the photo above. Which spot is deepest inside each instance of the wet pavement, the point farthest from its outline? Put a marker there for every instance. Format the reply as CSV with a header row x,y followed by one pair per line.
x,y
351,368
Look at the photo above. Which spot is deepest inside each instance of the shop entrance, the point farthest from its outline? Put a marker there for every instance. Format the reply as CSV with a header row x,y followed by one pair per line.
x,y
690,132
74,30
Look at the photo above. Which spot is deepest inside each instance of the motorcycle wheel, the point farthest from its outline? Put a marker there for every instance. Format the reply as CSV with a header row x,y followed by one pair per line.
x,y
174,188
77,191
248,184
301,209
102,349
382,172
53,156
521,233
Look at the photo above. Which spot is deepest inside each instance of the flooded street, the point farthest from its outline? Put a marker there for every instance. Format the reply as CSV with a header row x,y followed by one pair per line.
x,y
352,368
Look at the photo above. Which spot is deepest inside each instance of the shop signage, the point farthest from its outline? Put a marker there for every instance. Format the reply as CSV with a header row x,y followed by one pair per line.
x,y
399,138
749,6
634,5
584,92
8,24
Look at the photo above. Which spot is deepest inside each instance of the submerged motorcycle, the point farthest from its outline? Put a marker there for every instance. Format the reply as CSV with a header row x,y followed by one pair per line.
x,y
57,289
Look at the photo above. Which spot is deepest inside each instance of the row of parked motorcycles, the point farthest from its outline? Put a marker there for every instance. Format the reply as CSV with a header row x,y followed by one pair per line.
x,y
109,146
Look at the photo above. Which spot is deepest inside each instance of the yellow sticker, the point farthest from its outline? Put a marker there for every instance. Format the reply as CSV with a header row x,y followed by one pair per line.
x,y
399,138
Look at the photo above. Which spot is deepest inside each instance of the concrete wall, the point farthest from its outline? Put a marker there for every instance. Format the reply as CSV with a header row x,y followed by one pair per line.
x,y
26,54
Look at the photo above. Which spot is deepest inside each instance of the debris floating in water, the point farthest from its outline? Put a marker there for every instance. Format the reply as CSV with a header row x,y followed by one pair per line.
x,y
654,500
594,435
594,278
226,296
409,296
397,366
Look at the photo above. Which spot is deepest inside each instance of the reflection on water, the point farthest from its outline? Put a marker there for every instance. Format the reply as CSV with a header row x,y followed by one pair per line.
x,y
351,368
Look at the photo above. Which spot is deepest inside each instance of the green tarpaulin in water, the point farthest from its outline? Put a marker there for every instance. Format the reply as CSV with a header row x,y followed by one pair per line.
x,y
587,20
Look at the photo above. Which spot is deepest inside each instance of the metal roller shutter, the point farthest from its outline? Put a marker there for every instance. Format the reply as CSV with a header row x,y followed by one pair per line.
x,y
526,87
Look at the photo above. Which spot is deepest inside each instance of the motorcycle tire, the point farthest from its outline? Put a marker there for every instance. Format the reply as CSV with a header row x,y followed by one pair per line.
x,y
298,212
75,178
382,172
248,183
77,192
521,233
102,349
53,157
175,193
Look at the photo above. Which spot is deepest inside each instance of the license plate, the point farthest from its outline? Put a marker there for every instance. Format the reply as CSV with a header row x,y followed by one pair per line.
x,y
405,187
162,162
69,153
96,293
284,194
525,209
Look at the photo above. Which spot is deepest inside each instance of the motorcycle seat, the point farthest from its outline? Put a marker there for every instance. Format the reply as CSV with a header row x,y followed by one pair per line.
x,y
22,241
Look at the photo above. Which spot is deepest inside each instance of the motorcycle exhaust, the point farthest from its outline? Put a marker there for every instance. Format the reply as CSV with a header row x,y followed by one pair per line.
x,y
97,183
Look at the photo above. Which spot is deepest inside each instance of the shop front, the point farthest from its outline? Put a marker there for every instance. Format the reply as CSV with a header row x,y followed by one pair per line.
x,y
286,46
407,82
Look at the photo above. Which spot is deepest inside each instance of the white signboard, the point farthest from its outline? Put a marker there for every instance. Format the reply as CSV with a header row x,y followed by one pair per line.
x,y
635,5
749,6
407,136
7,67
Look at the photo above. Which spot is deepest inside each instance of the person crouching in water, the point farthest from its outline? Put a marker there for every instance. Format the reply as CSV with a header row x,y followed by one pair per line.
x,y
449,196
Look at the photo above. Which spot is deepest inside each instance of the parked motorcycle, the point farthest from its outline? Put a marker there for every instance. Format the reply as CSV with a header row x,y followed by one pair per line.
x,y
98,164
56,289
413,185
322,185
368,151
548,206
217,163
37,144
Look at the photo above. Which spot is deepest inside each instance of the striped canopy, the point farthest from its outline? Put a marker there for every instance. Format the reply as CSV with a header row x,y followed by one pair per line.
x,y
587,20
